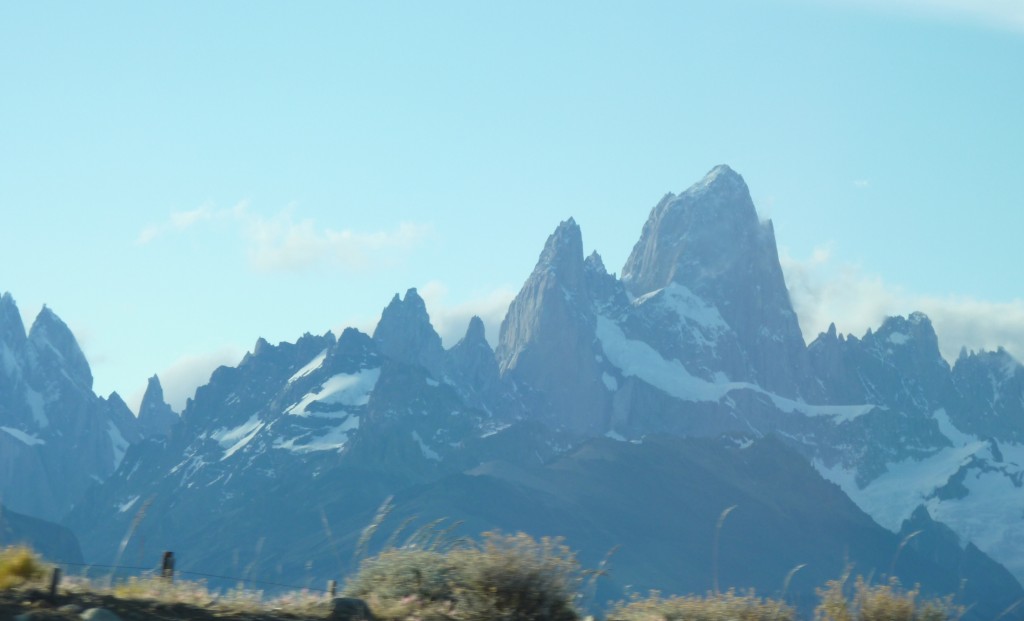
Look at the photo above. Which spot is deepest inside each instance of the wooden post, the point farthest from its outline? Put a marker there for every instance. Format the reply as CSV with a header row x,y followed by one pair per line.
x,y
167,570
332,587
54,581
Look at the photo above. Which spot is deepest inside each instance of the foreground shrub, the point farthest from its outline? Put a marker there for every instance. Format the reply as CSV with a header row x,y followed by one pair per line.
x,y
721,607
503,578
18,565
512,578
398,582
881,603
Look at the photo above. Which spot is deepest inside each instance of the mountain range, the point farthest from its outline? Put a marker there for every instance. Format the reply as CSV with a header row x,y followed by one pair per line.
x,y
623,410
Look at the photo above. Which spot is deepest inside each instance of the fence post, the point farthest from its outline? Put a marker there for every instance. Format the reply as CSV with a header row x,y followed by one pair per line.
x,y
332,587
167,570
54,581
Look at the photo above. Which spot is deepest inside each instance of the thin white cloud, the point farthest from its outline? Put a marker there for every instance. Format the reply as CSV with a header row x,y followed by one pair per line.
x,y
181,378
823,292
861,183
451,320
1001,14
177,222
283,242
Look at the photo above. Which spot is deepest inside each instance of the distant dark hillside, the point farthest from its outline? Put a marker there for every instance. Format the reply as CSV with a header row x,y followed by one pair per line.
x,y
52,541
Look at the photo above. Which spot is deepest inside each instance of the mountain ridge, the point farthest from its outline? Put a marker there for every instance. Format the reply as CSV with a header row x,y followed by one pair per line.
x,y
698,338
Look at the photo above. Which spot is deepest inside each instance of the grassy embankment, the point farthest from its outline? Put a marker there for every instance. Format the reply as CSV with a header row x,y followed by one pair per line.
x,y
499,578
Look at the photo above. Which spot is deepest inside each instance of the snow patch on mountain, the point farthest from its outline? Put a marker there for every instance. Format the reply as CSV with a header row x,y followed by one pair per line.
x,y
37,406
118,442
234,439
948,429
984,507
893,496
693,313
427,452
351,389
10,363
313,365
128,504
899,338
640,360
25,438
333,439
989,515
838,413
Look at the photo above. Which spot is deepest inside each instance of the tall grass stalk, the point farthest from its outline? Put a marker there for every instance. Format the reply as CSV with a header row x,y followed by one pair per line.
x,y
139,516
899,548
364,538
714,549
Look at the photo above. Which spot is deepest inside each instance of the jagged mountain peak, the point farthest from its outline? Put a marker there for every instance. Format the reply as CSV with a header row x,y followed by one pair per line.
x,y
698,236
916,328
156,418
115,399
710,240
721,178
475,332
52,337
563,252
154,391
471,364
547,337
405,333
594,263
12,330
412,306
261,346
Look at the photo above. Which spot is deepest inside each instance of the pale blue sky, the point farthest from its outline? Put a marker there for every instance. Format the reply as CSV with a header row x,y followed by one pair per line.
x,y
178,179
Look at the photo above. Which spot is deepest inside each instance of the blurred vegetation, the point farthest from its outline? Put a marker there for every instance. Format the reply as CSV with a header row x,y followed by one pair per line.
x,y
882,602
501,578
19,565
497,578
727,606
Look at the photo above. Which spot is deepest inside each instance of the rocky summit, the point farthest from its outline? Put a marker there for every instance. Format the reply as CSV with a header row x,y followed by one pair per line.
x,y
57,438
626,411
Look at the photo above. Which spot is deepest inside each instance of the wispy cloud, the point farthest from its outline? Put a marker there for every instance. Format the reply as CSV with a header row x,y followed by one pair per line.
x,y
861,184
177,222
285,242
823,292
1002,14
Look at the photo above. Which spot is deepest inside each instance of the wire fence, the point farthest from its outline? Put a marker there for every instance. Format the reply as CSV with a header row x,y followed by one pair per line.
x,y
158,571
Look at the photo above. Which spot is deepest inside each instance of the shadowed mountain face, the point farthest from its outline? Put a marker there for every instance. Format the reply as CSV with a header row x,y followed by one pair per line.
x,y
57,438
598,417
54,542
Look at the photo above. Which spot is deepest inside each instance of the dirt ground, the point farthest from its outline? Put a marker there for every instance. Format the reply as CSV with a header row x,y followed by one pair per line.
x,y
69,606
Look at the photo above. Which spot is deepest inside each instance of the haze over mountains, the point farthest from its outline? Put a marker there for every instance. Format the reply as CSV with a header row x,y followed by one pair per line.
x,y
614,411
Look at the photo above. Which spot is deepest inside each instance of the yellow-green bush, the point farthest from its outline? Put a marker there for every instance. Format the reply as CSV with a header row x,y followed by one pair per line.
x,y
502,578
884,602
18,565
728,606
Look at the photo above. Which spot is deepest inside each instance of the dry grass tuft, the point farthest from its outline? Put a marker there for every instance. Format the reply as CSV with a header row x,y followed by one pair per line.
x,y
502,578
19,565
884,602
728,606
